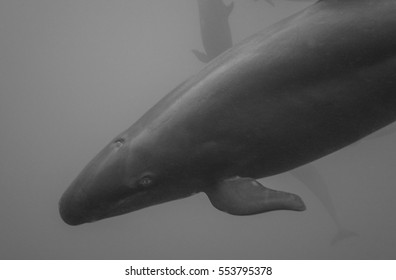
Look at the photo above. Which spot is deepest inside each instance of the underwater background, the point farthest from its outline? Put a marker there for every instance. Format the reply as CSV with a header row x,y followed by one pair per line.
x,y
74,74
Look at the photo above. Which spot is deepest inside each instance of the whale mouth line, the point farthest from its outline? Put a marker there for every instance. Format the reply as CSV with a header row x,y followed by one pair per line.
x,y
120,207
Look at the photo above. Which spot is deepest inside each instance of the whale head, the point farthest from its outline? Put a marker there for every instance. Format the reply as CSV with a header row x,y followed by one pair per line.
x,y
130,173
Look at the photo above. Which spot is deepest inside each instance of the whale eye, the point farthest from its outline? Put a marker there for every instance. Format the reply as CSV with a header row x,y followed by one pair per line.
x,y
119,142
146,181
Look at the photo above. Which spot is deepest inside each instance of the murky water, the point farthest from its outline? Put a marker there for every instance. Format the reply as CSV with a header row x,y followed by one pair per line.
x,y
73,74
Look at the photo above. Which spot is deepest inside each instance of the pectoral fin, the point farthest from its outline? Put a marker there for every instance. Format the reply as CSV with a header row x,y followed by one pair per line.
x,y
246,196
203,57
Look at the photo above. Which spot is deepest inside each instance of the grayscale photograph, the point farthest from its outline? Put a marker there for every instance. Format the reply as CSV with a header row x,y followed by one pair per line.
x,y
198,129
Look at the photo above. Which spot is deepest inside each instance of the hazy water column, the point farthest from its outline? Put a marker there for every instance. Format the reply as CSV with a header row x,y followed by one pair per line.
x,y
75,73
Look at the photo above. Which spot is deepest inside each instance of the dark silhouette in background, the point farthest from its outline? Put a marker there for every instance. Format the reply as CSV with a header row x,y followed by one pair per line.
x,y
215,29
309,176
272,1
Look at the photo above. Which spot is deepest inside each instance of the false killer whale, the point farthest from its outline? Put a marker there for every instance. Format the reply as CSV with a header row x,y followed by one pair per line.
x,y
297,91
216,38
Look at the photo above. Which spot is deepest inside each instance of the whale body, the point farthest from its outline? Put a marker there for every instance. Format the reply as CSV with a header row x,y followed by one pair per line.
x,y
297,91
216,37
